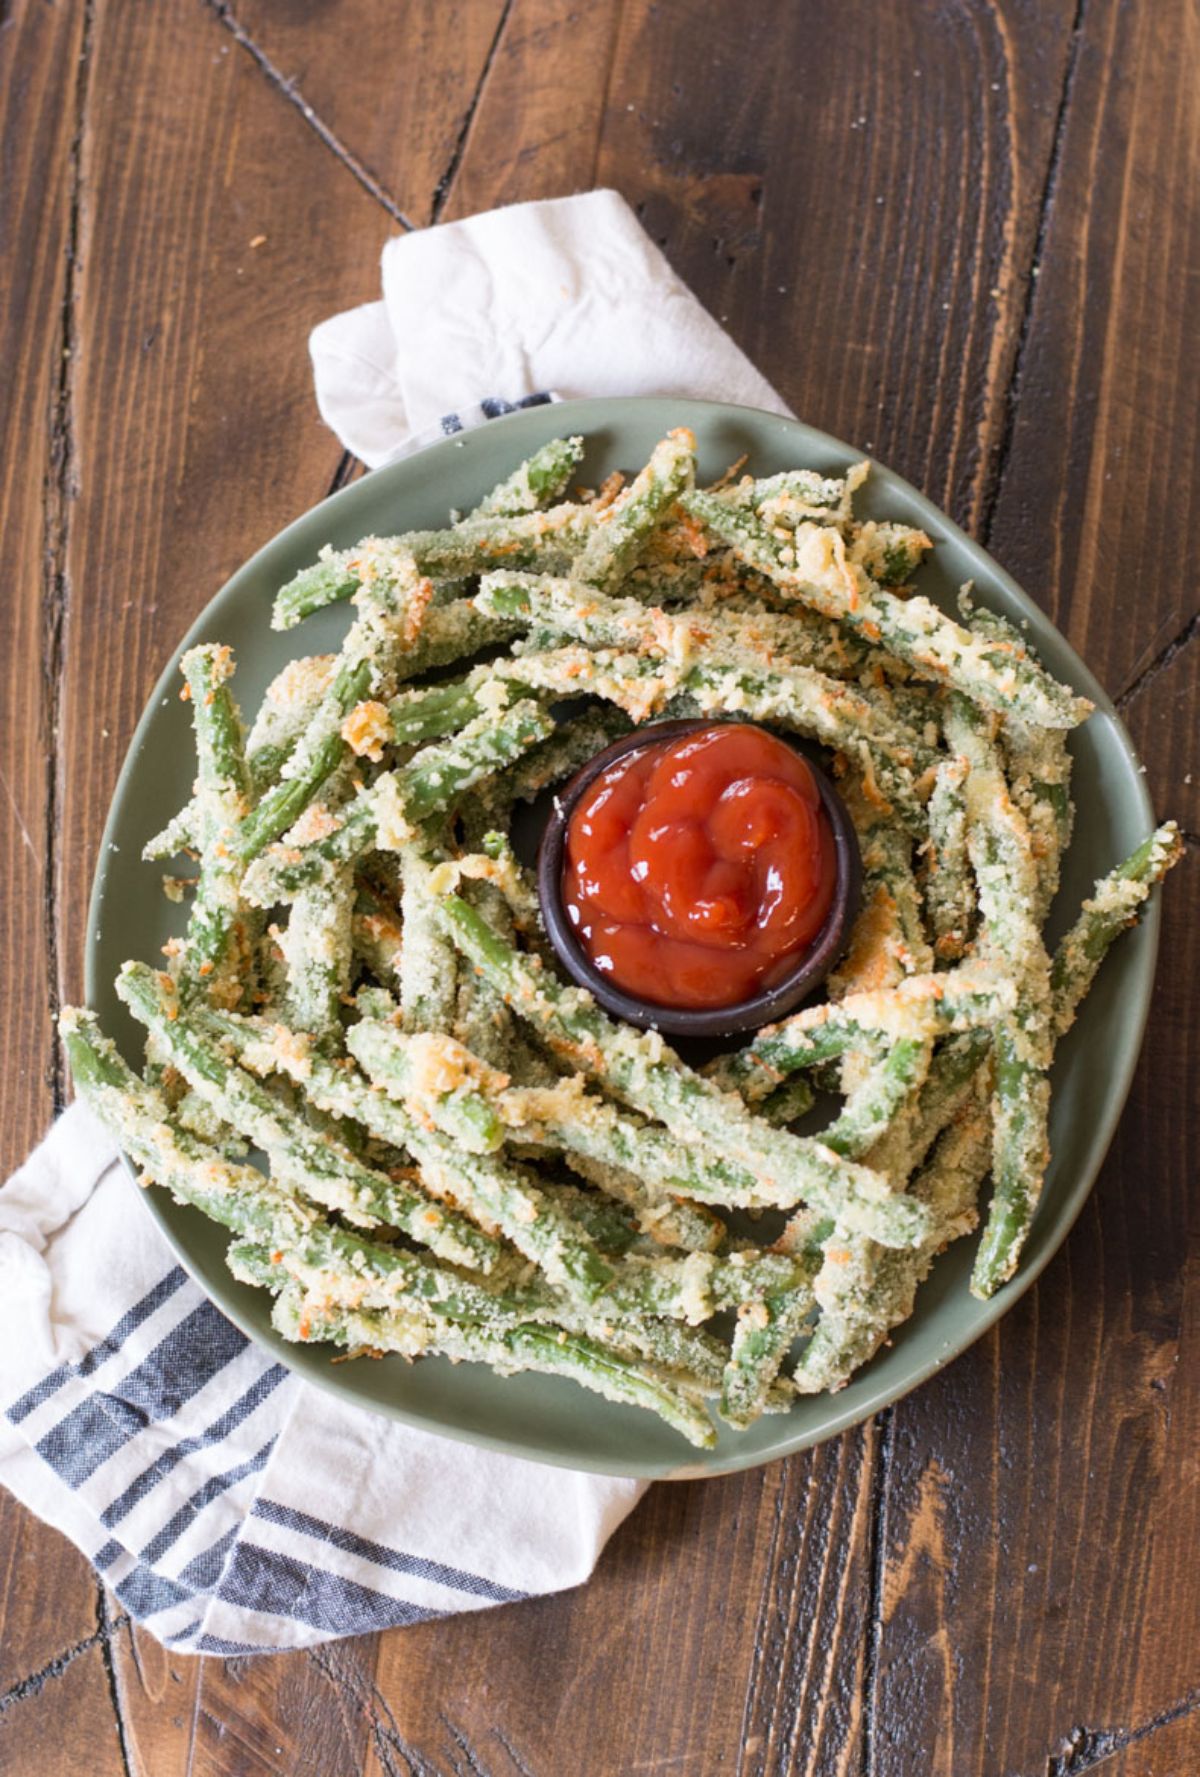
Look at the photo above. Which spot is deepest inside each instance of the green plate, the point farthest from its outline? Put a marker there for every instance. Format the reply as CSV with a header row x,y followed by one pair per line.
x,y
545,1418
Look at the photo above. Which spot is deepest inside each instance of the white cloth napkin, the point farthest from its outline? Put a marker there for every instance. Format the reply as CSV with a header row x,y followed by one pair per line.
x,y
232,1507
570,294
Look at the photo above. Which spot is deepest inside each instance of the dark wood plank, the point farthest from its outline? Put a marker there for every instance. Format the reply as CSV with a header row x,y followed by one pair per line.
x,y
855,193
47,1596
1041,1502
1099,499
47,1592
1163,717
283,1716
63,1722
39,52
1172,1750
722,1630
393,85
197,438
535,132
1042,1495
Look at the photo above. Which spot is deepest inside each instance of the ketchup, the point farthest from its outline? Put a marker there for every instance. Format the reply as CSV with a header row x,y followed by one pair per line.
x,y
699,870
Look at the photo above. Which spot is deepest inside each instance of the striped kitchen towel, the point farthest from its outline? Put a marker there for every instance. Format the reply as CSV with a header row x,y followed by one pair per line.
x,y
231,1507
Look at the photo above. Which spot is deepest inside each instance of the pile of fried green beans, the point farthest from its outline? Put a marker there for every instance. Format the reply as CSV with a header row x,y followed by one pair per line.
x,y
363,1062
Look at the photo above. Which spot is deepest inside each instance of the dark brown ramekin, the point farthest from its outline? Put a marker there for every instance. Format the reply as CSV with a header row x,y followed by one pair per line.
x,y
709,1021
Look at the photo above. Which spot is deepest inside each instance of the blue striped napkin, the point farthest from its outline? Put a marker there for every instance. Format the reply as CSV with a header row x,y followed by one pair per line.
x,y
231,1507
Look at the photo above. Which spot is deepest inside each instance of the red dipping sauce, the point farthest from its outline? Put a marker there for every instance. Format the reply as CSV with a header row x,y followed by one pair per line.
x,y
698,871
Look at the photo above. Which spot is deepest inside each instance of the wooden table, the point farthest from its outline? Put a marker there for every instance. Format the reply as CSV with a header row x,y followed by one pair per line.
x,y
964,236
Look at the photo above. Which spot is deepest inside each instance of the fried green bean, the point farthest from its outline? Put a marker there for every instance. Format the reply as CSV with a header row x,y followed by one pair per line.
x,y
797,698
1002,859
522,539
621,530
325,1168
640,1068
388,815
540,479
974,994
216,956
946,881
1115,904
811,564
602,1368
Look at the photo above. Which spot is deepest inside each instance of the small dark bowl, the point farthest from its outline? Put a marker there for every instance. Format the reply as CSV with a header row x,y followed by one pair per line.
x,y
709,1021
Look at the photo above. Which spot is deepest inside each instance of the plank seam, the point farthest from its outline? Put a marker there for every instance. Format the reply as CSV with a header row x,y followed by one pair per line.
x,y
287,89
758,1655
60,488
441,191
54,1668
614,43
1175,647
1091,1747
995,480
105,1630
877,1561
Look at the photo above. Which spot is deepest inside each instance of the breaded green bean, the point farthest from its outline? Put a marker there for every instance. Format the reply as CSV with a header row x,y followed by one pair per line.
x,y
604,1369
391,612
658,1216
1115,903
540,479
876,1289
428,974
216,957
239,1197
973,994
639,1068
325,1169
388,815
526,539
620,531
498,1196
767,1329
317,949
946,881
436,1076
812,565
824,709
1002,859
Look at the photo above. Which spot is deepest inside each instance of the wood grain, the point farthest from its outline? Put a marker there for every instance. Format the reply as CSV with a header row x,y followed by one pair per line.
x,y
960,235
47,1592
39,50
1049,1477
865,226
1162,713
1172,1750
1100,496
271,1717
535,131
64,1723
392,86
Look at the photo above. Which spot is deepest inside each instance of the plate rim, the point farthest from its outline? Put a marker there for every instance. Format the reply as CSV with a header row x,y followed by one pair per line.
x,y
1073,1197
